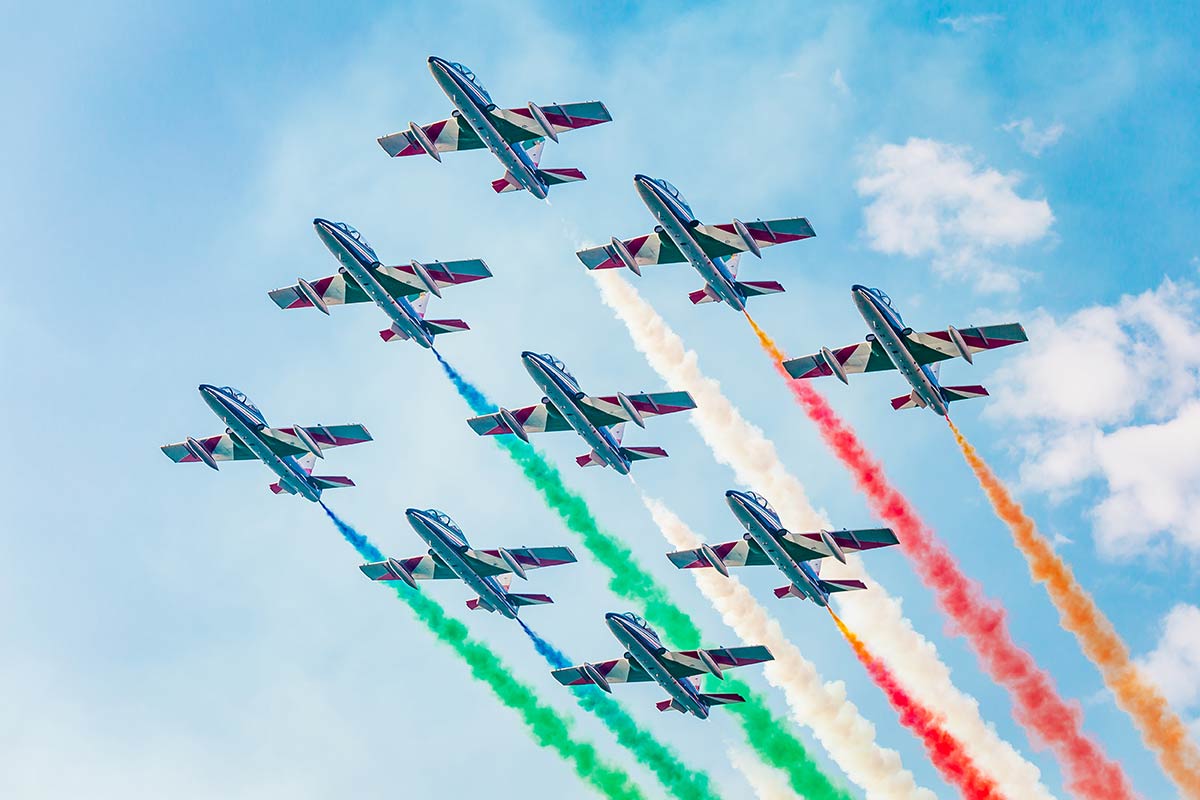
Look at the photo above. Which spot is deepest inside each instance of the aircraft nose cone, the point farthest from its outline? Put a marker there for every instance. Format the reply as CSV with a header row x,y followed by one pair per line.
x,y
735,499
858,287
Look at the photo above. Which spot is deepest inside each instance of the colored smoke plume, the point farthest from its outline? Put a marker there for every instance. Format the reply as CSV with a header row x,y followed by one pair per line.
x,y
1039,707
766,733
944,750
548,728
767,783
1161,729
846,736
874,614
663,761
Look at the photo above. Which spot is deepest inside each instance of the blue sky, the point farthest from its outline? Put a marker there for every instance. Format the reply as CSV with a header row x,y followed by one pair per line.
x,y
167,628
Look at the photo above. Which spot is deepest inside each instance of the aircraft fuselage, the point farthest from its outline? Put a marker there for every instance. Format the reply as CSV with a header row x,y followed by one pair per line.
x,y
764,531
887,328
564,396
474,108
676,223
245,427
356,262
648,655
449,547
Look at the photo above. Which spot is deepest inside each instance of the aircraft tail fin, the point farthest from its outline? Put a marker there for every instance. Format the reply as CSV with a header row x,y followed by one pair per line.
x,y
439,326
553,177
756,288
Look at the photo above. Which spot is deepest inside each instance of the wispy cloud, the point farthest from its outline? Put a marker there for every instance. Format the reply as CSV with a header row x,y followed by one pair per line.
x,y
1034,140
966,22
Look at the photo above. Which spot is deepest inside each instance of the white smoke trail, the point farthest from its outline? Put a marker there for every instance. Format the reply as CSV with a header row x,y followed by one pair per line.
x,y
842,731
767,783
874,614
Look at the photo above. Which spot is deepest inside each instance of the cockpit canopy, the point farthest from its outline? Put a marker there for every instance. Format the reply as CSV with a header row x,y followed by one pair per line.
x,y
762,501
561,367
241,398
444,518
671,190
887,301
641,623
466,72
355,235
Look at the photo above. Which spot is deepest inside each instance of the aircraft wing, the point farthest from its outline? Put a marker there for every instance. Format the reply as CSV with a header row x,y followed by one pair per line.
x,y
725,240
740,553
854,358
540,418
333,291
686,663
423,568
225,447
939,345
491,562
286,442
653,248
519,124
403,280
607,410
809,546
619,670
446,135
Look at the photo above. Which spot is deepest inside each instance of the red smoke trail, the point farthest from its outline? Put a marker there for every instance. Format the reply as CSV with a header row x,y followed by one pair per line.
x,y
944,750
1039,708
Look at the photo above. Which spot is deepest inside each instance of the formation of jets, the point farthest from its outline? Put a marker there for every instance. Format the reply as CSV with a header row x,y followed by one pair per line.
x,y
516,136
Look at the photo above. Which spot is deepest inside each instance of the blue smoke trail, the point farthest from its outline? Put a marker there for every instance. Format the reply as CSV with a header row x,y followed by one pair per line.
x,y
361,543
552,654
476,399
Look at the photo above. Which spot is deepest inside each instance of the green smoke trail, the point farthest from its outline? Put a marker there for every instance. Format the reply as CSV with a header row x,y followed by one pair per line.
x,y
547,726
766,732
664,762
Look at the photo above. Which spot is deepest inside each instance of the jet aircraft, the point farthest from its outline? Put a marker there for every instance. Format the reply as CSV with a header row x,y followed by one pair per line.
x,y
249,437
796,555
486,572
676,671
402,292
514,135
712,250
893,345
600,421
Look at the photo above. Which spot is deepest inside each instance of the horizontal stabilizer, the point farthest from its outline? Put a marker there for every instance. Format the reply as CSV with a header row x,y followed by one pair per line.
x,y
477,603
553,177
439,326
506,184
279,488
755,288
643,453
331,481
842,585
910,400
529,599
590,460
705,295
955,393
393,334
724,698
791,590
669,705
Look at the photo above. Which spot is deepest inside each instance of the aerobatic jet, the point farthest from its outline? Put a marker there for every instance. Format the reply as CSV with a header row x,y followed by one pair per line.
x,y
402,292
712,250
514,135
600,421
486,572
893,345
797,555
249,437
676,671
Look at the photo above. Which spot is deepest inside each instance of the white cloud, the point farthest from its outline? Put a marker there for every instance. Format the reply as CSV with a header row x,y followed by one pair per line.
x,y
1033,140
965,22
1112,393
928,198
839,82
1175,662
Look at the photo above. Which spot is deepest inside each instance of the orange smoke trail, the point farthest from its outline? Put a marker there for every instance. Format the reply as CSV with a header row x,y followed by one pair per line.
x,y
1039,708
946,753
1161,729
